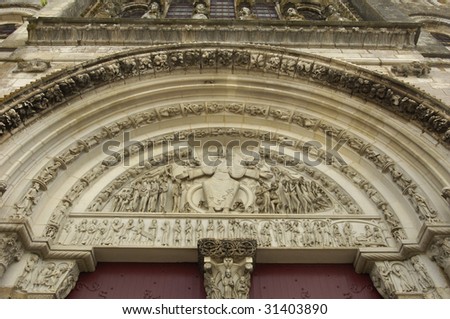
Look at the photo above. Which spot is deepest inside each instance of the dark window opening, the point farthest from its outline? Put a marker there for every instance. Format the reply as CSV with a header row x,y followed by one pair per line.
x,y
265,11
222,9
180,10
441,37
7,29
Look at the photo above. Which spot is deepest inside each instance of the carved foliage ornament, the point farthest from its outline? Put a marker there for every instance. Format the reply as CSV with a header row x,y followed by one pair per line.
x,y
11,250
416,107
440,253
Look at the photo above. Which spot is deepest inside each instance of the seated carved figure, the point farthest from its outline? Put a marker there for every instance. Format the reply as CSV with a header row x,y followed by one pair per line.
x,y
200,11
153,11
246,14
332,14
293,15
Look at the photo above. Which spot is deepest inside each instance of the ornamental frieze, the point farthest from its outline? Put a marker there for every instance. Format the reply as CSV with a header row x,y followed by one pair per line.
x,y
185,232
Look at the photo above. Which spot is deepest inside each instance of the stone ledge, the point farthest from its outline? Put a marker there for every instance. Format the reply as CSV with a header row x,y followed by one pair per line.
x,y
79,31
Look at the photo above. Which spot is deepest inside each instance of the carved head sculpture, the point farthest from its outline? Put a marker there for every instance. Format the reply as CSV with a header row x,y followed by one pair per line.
x,y
245,13
292,13
154,6
201,10
446,194
153,10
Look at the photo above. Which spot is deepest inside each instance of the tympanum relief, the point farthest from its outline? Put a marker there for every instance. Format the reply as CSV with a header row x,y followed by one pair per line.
x,y
225,185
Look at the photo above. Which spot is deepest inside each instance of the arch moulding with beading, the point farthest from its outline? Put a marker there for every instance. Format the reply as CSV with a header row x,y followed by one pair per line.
x,y
54,131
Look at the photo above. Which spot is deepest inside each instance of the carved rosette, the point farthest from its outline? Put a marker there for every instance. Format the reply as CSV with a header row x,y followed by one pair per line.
x,y
227,267
404,279
11,250
47,278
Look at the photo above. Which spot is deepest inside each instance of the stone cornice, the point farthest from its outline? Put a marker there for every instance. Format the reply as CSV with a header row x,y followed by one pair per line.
x,y
41,246
78,31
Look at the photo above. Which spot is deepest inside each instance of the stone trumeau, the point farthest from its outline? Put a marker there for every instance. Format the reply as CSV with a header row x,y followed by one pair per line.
x,y
225,133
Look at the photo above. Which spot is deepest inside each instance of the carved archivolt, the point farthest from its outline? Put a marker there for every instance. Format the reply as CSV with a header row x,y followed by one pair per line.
x,y
139,188
381,161
406,102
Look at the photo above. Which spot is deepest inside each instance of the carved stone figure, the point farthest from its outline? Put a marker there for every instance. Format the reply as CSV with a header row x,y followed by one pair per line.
x,y
405,282
188,232
165,234
416,68
25,279
201,11
425,211
32,66
423,278
153,11
30,199
199,230
246,14
293,15
445,194
177,229
227,272
332,14
176,195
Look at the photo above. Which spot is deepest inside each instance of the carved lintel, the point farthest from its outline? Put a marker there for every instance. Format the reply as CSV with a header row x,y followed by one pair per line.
x,y
11,250
47,279
227,267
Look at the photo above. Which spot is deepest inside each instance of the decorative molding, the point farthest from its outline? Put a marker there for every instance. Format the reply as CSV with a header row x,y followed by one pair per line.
x,y
11,250
227,267
331,33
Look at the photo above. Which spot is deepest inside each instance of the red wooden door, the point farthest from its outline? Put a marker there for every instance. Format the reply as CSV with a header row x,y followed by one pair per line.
x,y
184,281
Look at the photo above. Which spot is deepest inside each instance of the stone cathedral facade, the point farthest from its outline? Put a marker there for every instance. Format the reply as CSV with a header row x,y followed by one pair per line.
x,y
227,133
